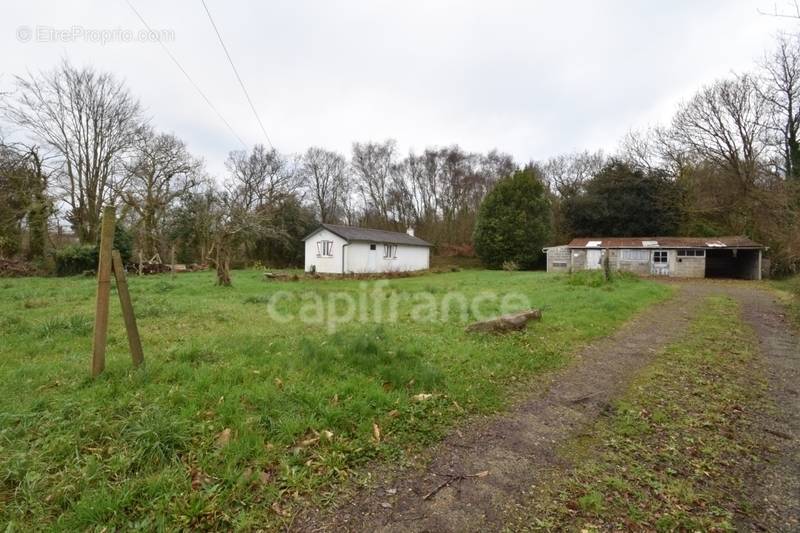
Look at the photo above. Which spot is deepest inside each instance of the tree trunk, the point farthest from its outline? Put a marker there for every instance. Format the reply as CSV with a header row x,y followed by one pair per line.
x,y
223,268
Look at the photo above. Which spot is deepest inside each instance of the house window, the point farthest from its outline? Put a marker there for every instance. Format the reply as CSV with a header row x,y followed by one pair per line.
x,y
660,256
635,255
691,253
324,248
560,264
372,246
390,251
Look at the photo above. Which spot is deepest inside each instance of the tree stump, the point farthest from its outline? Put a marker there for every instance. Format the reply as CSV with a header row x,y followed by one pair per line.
x,y
506,323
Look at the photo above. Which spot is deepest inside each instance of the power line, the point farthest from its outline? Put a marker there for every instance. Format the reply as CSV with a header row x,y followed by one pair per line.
x,y
238,77
177,63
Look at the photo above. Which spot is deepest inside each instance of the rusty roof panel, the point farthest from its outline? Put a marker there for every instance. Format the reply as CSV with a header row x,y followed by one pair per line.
x,y
737,241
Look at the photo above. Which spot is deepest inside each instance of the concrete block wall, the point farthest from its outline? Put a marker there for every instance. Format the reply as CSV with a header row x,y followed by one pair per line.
x,y
689,267
558,259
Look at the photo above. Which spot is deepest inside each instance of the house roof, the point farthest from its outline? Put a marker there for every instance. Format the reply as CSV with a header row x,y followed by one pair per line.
x,y
350,233
736,241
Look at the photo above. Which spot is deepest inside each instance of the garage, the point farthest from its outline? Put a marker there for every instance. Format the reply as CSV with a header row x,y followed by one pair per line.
x,y
736,263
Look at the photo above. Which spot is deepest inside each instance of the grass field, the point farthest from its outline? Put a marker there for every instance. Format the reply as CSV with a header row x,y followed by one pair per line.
x,y
789,290
236,419
675,452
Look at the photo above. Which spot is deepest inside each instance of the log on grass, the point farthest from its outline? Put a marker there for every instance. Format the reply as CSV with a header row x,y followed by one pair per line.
x,y
506,323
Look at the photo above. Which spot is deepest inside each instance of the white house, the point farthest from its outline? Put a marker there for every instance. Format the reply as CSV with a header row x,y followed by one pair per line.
x,y
332,249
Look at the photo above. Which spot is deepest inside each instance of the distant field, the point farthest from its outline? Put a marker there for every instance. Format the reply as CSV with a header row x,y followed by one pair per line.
x,y
236,418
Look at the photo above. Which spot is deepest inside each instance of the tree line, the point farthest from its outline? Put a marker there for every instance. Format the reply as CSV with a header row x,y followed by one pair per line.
x,y
727,163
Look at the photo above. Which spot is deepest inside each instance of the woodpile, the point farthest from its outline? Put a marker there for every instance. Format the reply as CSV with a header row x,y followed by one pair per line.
x,y
506,323
14,268
149,268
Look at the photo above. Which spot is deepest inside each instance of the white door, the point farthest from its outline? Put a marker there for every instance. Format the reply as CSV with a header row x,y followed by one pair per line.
x,y
371,257
594,259
659,264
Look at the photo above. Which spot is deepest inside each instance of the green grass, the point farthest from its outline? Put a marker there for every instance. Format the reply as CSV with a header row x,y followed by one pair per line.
x,y
789,289
674,452
227,425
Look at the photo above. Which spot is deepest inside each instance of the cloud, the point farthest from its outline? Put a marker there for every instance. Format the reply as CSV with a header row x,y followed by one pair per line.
x,y
530,78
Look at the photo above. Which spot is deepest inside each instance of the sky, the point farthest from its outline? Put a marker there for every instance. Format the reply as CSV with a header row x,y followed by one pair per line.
x,y
530,78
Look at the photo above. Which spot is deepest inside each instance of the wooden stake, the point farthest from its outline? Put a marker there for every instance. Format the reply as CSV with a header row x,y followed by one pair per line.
x,y
103,292
134,342
140,262
173,262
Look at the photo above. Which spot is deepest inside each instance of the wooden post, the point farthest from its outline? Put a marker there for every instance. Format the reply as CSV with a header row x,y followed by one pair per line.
x,y
103,292
134,342
173,262
140,262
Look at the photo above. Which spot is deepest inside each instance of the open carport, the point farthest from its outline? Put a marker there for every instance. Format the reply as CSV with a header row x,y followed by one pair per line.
x,y
737,263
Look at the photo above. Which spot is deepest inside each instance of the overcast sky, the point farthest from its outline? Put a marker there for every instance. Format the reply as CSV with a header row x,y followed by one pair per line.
x,y
532,78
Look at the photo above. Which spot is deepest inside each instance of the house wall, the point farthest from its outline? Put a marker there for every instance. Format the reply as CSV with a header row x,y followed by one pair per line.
x,y
578,260
324,265
558,259
408,258
688,267
724,262
641,268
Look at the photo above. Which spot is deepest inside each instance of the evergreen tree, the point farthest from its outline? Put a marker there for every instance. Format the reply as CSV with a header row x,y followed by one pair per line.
x,y
513,221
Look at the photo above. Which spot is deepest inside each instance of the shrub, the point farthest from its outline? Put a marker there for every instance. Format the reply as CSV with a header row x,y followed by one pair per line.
x,y
510,266
75,259
78,258
513,221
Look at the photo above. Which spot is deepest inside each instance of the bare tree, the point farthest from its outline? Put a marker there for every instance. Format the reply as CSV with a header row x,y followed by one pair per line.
x,y
726,123
23,195
161,171
655,150
262,176
375,166
232,226
324,174
780,71
89,119
567,173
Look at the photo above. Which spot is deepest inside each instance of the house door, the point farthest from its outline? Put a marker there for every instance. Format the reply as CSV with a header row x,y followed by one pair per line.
x,y
659,266
594,259
371,257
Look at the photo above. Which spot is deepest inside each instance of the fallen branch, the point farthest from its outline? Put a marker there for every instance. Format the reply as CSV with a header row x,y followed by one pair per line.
x,y
505,323
450,479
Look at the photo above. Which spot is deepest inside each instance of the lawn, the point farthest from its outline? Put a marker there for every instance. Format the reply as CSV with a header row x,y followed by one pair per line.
x,y
237,418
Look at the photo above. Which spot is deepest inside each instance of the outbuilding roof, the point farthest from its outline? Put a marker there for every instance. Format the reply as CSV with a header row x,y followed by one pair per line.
x,y
737,241
350,233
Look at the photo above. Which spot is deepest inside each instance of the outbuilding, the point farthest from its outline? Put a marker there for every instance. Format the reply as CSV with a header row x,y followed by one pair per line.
x,y
684,257
334,249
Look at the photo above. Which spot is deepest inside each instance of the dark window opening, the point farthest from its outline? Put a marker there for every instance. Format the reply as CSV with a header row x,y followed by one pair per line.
x,y
372,246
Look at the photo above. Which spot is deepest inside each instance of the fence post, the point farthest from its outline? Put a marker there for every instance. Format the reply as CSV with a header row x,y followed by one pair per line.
x,y
103,292
134,342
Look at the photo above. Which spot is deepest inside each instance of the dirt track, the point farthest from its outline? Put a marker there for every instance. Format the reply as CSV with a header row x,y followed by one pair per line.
x,y
479,471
